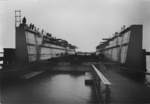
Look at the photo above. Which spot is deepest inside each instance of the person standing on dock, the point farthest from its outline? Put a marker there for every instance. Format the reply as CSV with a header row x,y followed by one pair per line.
x,y
24,20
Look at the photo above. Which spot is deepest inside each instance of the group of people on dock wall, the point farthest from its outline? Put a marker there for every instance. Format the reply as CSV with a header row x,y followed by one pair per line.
x,y
37,45
120,48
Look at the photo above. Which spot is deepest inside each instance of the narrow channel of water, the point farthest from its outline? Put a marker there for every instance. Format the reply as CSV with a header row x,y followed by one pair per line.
x,y
50,88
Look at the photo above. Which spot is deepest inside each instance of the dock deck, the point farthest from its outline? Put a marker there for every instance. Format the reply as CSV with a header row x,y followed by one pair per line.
x,y
126,89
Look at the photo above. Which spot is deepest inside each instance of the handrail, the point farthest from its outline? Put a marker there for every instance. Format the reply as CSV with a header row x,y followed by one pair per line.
x,y
103,79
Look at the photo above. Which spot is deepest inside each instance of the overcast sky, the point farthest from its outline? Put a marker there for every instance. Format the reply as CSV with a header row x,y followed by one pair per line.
x,y
81,22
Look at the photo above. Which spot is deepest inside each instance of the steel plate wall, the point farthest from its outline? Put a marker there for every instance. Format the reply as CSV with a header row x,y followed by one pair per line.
x,y
32,49
32,53
31,46
32,58
58,52
115,54
45,50
123,53
39,40
117,48
45,57
30,38
50,52
126,37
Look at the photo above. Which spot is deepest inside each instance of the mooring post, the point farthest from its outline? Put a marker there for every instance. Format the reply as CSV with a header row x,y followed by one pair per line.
x,y
107,95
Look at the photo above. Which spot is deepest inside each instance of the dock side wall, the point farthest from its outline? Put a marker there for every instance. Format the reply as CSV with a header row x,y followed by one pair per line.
x,y
134,53
21,46
125,48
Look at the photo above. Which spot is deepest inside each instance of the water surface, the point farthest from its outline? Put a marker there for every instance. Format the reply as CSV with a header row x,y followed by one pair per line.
x,y
51,88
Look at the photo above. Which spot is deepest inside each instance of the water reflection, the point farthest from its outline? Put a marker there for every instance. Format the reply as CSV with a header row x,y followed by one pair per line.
x,y
52,88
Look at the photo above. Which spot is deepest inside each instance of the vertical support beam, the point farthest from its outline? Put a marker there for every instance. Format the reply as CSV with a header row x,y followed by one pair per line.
x,y
37,47
144,60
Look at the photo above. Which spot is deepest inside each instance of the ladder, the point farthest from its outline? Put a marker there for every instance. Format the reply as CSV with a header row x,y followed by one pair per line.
x,y
17,18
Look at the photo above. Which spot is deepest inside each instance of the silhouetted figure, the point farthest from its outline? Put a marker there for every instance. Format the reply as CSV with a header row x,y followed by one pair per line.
x,y
30,27
124,26
37,29
42,31
34,28
116,33
24,20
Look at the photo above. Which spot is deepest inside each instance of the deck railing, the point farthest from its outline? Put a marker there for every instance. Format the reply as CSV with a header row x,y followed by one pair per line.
x,y
1,59
101,85
144,59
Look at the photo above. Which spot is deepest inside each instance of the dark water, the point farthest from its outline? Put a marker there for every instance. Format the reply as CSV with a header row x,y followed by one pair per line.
x,y
50,88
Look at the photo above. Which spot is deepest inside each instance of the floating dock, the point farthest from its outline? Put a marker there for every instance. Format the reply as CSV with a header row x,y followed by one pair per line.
x,y
47,70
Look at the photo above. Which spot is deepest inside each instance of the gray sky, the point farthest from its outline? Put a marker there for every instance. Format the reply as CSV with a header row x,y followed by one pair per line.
x,y
81,22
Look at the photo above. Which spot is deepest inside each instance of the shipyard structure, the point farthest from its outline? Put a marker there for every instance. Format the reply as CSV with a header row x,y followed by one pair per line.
x,y
32,45
114,73
124,48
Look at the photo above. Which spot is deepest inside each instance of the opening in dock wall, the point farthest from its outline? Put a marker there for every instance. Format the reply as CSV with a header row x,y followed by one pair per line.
x,y
147,63
146,60
9,56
